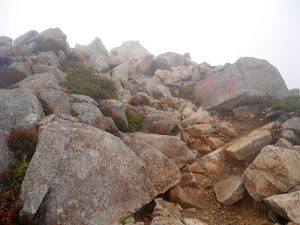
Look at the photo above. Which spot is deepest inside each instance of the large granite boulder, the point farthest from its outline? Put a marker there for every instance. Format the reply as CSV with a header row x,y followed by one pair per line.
x,y
292,124
5,41
170,146
55,101
19,108
10,77
39,81
166,61
83,175
249,145
52,39
274,171
116,110
286,205
157,121
129,50
60,76
24,39
97,55
245,79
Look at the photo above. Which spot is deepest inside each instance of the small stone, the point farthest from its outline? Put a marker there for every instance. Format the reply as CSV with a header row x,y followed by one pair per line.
x,y
230,190
284,144
166,209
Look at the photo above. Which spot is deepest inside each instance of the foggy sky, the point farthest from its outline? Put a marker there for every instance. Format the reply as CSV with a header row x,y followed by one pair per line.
x,y
215,31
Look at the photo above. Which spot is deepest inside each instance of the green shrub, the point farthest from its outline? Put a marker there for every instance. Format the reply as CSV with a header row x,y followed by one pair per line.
x,y
85,82
134,120
288,104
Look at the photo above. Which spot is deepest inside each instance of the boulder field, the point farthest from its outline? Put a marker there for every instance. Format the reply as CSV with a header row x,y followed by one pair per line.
x,y
126,137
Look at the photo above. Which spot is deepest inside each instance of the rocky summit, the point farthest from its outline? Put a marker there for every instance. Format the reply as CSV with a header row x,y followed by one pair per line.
x,y
97,137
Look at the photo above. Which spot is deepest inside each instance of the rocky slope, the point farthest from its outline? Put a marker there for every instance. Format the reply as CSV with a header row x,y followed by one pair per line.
x,y
125,137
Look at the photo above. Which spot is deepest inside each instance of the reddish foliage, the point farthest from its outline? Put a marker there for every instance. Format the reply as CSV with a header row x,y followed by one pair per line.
x,y
23,142
9,207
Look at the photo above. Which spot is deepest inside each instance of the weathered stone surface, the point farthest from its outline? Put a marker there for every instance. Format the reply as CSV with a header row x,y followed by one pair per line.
x,y
171,146
244,79
161,91
157,121
47,59
56,101
286,205
166,61
8,77
19,109
116,110
284,144
292,124
5,41
39,81
82,98
129,50
166,209
249,145
52,39
245,112
196,118
154,159
144,84
120,72
213,142
185,196
98,55
193,180
274,171
290,136
200,129
230,190
86,113
226,128
296,147
7,157
60,76
25,38
79,167
189,221
166,221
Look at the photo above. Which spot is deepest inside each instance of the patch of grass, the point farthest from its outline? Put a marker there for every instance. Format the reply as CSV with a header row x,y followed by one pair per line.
x,y
85,82
134,120
288,104
23,142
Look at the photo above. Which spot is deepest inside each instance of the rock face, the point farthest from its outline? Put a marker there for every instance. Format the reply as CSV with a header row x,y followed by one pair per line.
x,y
19,109
5,41
166,61
39,81
25,38
157,121
249,145
130,50
247,77
274,171
116,110
170,146
56,101
52,39
7,158
230,190
89,171
292,124
286,205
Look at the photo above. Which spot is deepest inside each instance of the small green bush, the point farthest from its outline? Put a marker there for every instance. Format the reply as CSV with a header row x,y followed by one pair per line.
x,y
85,82
134,120
288,104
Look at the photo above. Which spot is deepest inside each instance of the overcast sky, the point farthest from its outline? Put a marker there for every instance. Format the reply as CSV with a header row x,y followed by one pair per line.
x,y
215,31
